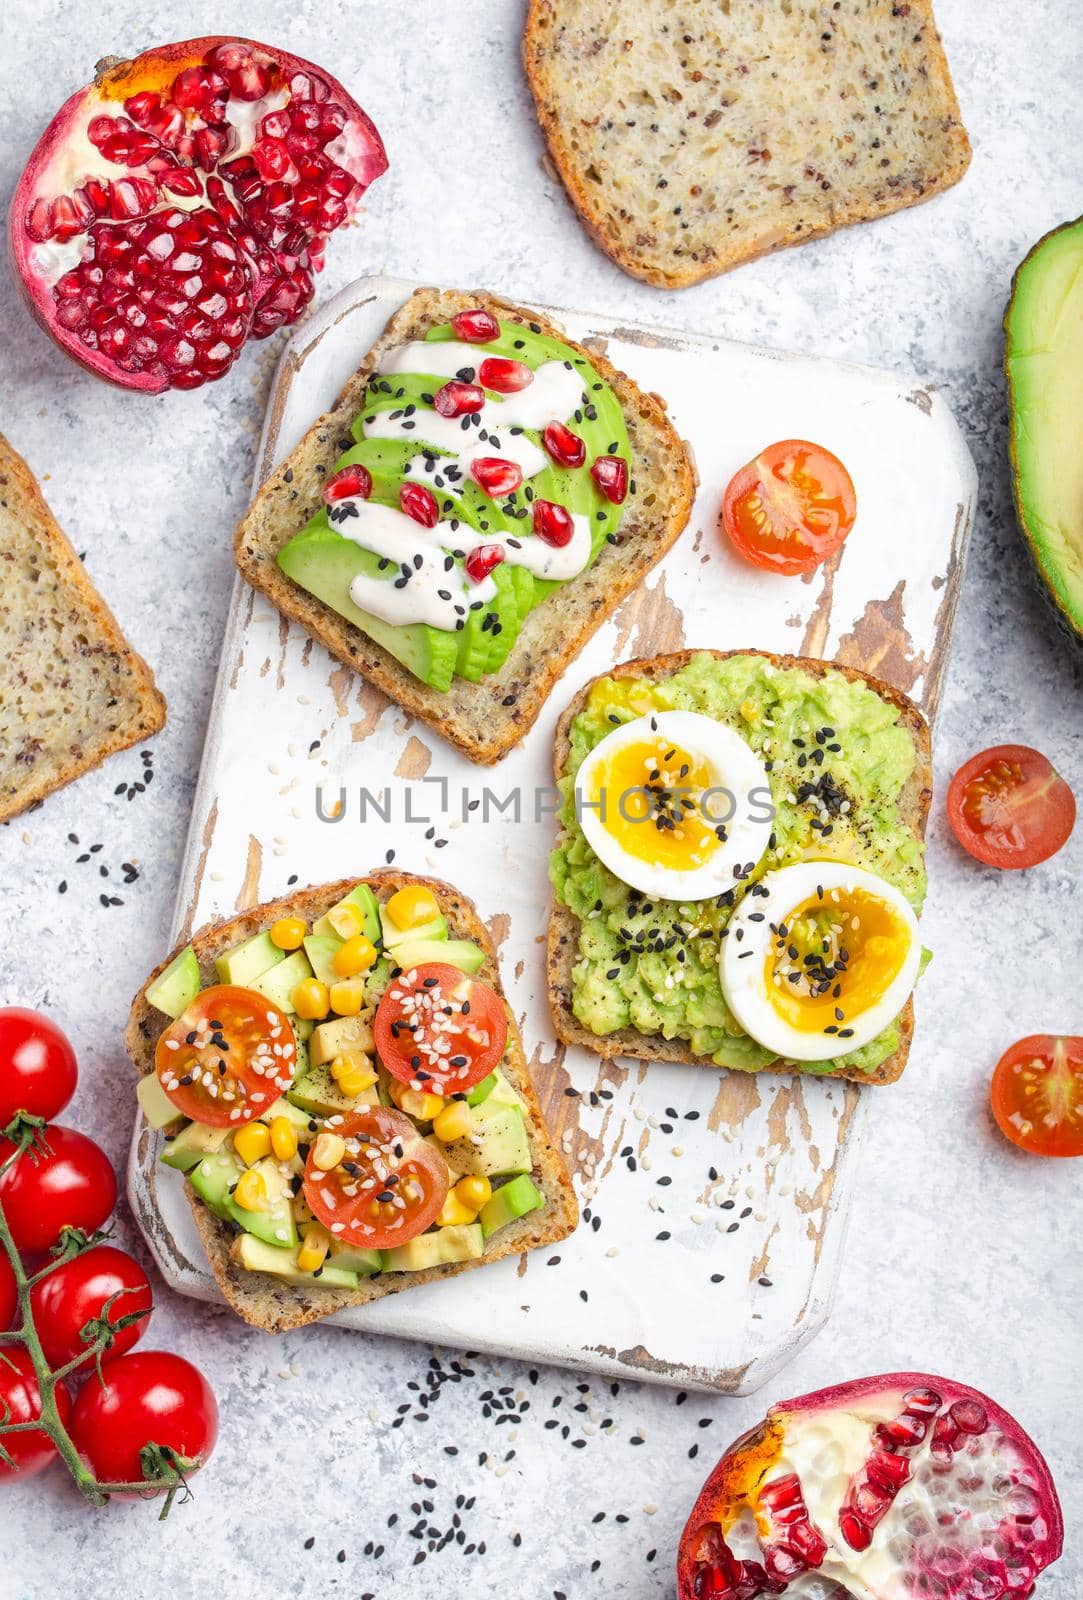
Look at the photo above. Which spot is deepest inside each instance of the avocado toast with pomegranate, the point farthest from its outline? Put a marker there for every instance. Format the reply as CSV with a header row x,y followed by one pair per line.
x,y
479,500
343,1084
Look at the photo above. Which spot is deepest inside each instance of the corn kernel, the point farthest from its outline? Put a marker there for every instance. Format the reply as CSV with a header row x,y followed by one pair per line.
x,y
314,1247
353,1072
252,1142
454,1212
473,1193
412,907
346,920
311,999
283,1138
348,997
423,1107
250,1191
287,933
453,1122
356,955
328,1151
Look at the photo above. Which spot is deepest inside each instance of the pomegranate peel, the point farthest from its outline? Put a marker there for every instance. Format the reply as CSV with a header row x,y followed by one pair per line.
x,y
180,204
901,1487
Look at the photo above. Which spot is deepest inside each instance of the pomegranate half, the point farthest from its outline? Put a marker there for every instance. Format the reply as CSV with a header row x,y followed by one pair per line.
x,y
179,206
902,1487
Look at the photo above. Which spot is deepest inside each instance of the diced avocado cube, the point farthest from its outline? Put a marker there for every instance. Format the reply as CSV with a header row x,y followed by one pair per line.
x,y
275,1223
504,1095
174,989
192,1143
297,1118
461,1242
278,983
362,899
156,1105
319,1095
248,961
350,1258
436,928
330,1039
256,1256
320,949
302,1027
512,1200
496,1145
481,1091
461,953
213,1179
453,1173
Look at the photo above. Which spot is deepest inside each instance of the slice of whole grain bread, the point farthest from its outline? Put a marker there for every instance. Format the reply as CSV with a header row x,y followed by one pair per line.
x,y
266,1302
693,135
563,941
72,691
482,719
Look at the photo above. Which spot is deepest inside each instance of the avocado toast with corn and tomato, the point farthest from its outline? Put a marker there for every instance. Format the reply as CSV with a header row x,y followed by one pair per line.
x,y
754,906
342,1082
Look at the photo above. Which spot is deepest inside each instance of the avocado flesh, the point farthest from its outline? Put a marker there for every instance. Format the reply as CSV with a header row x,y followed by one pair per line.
x,y
463,1241
156,1105
174,989
248,961
435,928
256,1256
496,1145
213,1180
512,1200
1044,363
278,984
360,899
317,1094
193,1143
461,953
320,948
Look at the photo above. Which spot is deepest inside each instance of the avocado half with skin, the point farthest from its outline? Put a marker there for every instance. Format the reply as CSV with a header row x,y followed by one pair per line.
x,y
1043,360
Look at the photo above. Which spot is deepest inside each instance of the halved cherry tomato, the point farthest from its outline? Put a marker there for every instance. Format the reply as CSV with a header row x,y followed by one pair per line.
x,y
20,1401
1009,807
226,1058
1037,1094
791,507
68,1184
438,1030
37,1065
389,1185
75,1294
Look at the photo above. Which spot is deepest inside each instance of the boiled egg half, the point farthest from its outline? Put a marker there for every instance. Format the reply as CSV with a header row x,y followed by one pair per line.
x,y
674,802
819,960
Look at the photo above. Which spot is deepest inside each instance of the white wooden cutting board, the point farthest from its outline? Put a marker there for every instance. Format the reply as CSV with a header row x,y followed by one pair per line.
x,y
715,1203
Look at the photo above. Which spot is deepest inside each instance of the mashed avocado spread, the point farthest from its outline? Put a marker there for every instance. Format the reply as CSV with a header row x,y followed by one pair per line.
x,y
838,758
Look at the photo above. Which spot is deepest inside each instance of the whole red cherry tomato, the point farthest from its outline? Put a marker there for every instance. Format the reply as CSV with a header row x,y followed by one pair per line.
x,y
8,1297
20,1401
148,1397
68,1185
37,1065
75,1294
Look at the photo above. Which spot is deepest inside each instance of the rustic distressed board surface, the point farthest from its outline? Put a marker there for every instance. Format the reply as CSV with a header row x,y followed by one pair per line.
x,y
714,1202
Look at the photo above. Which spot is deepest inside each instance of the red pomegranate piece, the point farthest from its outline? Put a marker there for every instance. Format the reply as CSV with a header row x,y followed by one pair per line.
x,y
610,473
456,399
475,326
351,481
566,448
553,523
902,1487
480,562
180,204
495,475
504,377
419,503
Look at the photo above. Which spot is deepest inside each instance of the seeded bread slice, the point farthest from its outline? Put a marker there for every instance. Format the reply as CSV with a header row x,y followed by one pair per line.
x,y
693,135
265,1301
72,691
563,943
482,719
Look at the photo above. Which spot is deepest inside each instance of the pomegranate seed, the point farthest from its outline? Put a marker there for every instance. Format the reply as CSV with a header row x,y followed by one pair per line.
x,y
199,89
495,475
250,82
332,121
475,327
610,473
853,1530
566,448
332,214
887,1471
97,194
99,129
457,399
39,221
301,87
140,107
553,523
211,145
505,377
970,1416
481,561
182,182
167,124
419,503
354,481
272,159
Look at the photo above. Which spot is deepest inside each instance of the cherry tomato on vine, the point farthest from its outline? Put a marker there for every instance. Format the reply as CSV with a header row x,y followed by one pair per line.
x,y
69,1185
790,508
150,1397
1037,1094
376,1143
9,1299
1009,807
439,1030
74,1294
37,1065
225,1059
20,1401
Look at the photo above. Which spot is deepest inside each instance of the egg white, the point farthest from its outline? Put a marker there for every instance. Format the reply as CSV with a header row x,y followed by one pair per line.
x,y
742,961
733,766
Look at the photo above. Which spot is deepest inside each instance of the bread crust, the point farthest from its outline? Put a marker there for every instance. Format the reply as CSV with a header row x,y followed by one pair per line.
x,y
590,200
23,503
266,1302
486,719
563,935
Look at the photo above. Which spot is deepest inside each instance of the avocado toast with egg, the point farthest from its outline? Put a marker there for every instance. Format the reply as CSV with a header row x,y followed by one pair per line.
x,y
268,1055
837,765
456,534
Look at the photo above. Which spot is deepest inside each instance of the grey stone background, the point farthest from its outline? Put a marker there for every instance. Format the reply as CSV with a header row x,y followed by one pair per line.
x,y
962,1255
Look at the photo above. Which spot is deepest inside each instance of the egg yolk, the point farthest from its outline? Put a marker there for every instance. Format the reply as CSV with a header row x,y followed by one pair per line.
x,y
651,792
834,959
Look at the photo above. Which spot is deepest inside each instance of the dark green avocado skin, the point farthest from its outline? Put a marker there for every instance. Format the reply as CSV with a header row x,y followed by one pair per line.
x,y
1044,438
